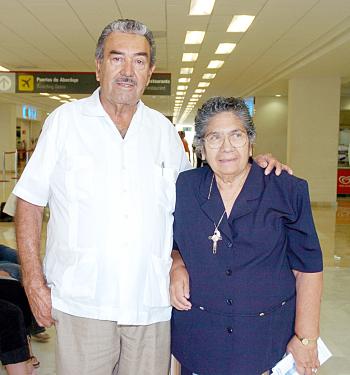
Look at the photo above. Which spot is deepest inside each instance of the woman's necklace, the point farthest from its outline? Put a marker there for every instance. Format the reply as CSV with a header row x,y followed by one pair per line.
x,y
216,236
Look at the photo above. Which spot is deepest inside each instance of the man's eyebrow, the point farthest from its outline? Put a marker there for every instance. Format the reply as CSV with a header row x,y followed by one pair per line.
x,y
116,52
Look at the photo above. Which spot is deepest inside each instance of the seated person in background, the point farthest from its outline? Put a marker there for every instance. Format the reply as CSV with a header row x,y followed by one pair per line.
x,y
9,267
14,346
15,322
246,279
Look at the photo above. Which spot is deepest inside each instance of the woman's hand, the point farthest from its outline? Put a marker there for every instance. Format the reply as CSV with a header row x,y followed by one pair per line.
x,y
269,162
305,356
180,288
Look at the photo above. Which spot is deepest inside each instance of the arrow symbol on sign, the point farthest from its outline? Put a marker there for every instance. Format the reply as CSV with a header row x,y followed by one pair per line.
x,y
5,83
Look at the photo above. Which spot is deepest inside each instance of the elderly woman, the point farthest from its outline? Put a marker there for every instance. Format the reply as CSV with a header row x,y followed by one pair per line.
x,y
249,245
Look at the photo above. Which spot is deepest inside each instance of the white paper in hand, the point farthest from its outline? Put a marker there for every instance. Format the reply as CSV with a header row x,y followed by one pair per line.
x,y
286,366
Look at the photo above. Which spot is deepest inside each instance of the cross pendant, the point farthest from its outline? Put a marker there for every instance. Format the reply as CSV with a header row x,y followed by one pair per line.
x,y
215,238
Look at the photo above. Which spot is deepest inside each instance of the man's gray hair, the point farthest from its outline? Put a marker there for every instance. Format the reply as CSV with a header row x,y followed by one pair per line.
x,y
129,27
219,104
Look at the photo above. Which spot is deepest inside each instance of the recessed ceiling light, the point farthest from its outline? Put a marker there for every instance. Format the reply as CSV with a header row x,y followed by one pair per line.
x,y
3,69
201,7
225,48
215,64
189,56
186,71
208,76
194,37
240,24
182,88
184,80
203,84
278,95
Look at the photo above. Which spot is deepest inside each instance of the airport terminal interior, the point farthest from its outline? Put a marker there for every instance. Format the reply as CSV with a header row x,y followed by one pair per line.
x,y
289,60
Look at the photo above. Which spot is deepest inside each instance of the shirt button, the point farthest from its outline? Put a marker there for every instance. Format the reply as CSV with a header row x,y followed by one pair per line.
x,y
229,330
229,301
229,244
228,272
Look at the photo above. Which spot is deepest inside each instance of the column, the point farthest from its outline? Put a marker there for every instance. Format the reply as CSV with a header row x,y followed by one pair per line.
x,y
312,134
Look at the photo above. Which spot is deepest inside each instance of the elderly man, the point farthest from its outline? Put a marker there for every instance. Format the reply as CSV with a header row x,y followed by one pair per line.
x,y
107,166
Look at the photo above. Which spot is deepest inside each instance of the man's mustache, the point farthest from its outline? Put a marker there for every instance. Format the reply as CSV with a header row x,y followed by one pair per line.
x,y
127,80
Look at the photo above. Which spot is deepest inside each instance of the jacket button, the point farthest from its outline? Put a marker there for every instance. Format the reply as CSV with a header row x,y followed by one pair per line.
x,y
229,301
229,330
229,244
228,272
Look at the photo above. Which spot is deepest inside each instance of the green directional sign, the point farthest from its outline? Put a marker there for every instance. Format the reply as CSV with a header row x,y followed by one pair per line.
x,y
56,83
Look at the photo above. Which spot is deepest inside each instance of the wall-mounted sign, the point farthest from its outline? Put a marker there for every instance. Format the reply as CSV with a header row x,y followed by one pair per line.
x,y
160,84
29,112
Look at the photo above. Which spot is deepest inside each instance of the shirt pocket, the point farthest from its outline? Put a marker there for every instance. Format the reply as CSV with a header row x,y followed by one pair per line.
x,y
165,180
72,273
80,177
157,282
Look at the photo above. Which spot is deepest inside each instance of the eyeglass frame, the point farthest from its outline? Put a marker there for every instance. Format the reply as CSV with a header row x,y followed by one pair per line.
x,y
204,139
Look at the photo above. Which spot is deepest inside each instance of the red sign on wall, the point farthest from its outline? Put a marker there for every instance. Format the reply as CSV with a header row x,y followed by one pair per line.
x,y
343,183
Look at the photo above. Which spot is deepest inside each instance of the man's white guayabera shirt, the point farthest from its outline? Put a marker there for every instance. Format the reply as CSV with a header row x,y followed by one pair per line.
x,y
111,200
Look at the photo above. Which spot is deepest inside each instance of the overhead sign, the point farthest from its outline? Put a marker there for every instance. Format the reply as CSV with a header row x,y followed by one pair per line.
x,y
160,84
56,83
70,83
8,82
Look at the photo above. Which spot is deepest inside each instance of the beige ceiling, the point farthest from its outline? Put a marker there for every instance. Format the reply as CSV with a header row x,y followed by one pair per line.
x,y
288,38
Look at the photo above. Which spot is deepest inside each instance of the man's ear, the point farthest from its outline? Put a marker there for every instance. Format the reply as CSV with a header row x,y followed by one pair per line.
x,y
98,69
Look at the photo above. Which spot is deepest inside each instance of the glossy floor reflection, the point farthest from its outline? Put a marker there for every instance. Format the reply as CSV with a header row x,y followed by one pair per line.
x,y
333,226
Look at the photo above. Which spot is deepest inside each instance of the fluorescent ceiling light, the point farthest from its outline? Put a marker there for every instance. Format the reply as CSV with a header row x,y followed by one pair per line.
x,y
44,94
189,56
64,96
194,100
186,71
55,97
194,37
208,76
278,95
201,7
215,64
178,97
199,91
72,99
225,48
240,24
64,101
196,96
203,84
184,80
182,88
3,69
180,93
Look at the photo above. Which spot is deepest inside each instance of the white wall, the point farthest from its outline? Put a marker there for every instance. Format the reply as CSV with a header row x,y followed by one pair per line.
x,y
7,133
271,118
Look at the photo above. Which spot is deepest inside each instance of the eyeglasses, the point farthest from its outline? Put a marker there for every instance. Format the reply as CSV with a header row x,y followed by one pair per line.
x,y
237,138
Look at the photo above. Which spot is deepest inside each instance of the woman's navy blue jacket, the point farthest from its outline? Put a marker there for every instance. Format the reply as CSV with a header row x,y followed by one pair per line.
x,y
243,297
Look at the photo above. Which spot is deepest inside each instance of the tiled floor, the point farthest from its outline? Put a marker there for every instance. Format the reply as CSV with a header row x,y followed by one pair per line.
x,y
333,225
